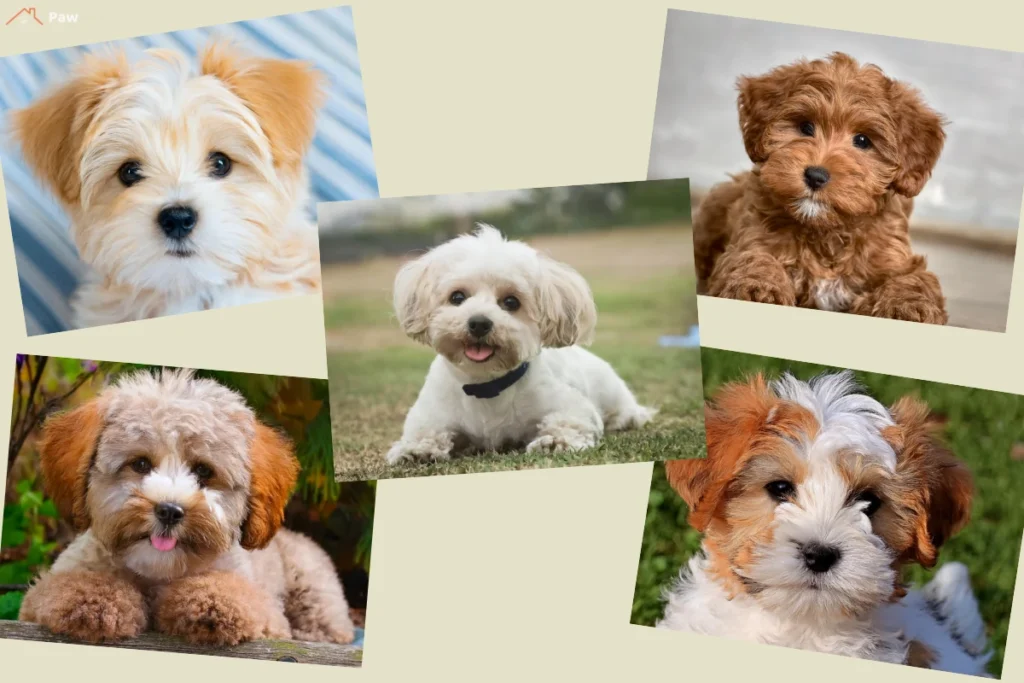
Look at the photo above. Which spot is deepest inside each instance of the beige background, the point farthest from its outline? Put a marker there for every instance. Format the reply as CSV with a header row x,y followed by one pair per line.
x,y
524,575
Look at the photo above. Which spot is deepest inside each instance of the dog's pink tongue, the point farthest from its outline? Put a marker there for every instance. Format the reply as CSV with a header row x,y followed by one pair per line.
x,y
479,352
163,543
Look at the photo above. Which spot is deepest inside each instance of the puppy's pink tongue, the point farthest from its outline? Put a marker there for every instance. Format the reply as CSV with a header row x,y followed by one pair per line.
x,y
163,543
479,352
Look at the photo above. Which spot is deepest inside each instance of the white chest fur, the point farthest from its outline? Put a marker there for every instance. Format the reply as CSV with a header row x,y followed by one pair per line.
x,y
831,294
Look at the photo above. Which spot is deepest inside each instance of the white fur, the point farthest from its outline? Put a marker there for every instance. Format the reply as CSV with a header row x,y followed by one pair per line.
x,y
568,397
254,239
831,294
844,610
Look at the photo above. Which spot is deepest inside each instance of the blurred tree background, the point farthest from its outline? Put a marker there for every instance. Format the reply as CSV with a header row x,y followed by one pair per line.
x,y
338,516
354,233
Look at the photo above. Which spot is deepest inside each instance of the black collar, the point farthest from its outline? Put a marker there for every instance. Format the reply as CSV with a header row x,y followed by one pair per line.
x,y
494,387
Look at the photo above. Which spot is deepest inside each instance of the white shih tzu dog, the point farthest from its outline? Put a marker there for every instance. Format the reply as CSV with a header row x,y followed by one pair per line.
x,y
185,186
505,320
811,499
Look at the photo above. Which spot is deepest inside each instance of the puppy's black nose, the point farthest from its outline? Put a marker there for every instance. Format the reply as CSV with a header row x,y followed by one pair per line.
x,y
479,326
177,221
169,514
815,176
820,558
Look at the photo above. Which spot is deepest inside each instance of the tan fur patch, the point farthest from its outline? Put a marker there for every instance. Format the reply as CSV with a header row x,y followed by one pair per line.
x,y
68,443
274,473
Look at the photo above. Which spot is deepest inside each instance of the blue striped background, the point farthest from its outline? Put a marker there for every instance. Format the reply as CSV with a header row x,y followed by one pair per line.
x,y
340,161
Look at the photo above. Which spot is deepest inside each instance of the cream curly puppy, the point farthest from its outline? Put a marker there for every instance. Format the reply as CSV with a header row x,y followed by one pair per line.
x,y
505,321
179,493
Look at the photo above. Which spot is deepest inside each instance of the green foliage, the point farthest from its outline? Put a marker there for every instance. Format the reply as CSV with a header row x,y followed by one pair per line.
x,y
981,427
10,605
29,522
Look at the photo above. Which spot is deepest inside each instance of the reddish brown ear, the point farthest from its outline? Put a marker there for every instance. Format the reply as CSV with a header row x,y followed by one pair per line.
x,y
736,414
52,130
921,138
274,473
66,452
283,94
759,103
943,487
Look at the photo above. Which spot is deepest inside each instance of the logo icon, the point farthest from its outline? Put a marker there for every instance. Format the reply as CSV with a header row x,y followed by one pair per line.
x,y
25,15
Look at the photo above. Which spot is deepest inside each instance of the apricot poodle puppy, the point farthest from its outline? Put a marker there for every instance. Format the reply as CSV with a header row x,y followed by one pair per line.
x,y
178,493
821,221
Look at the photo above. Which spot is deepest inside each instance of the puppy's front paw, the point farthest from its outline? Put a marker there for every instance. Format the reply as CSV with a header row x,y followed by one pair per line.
x,y
560,442
87,606
913,309
219,608
432,447
760,291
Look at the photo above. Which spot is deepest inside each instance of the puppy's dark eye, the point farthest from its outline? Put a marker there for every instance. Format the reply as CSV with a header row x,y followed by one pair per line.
x,y
861,141
220,164
457,297
873,502
141,465
203,472
780,490
510,303
807,128
130,173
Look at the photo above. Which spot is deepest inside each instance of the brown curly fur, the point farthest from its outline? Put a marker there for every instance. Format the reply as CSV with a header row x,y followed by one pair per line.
x,y
90,606
765,236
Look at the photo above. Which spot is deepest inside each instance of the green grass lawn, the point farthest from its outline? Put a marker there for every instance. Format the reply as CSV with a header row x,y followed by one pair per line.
x,y
376,372
981,427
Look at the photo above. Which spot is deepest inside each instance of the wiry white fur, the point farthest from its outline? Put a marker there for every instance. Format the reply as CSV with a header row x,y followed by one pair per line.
x,y
568,398
845,610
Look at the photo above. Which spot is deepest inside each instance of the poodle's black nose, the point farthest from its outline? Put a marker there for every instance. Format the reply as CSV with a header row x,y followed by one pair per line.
x,y
169,514
479,326
177,221
815,177
820,558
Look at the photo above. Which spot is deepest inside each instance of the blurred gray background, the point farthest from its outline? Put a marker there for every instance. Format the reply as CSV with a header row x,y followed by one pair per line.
x,y
979,179
966,219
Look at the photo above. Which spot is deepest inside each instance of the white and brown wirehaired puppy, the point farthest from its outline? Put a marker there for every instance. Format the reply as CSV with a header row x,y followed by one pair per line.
x,y
812,497
505,321
185,185
839,150
178,493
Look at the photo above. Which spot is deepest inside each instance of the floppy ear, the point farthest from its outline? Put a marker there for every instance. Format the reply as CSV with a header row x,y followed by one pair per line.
x,y
412,291
921,137
759,101
274,471
568,314
52,130
66,453
734,417
283,94
943,487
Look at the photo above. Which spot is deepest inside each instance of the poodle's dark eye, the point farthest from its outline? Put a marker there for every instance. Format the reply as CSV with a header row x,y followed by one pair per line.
x,y
807,128
780,490
130,173
861,141
141,465
873,502
457,297
202,472
220,164
510,303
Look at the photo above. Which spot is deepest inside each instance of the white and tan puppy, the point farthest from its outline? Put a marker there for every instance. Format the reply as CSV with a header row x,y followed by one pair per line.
x,y
184,184
505,320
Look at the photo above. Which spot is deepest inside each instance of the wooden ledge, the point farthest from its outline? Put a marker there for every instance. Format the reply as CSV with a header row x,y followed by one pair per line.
x,y
329,654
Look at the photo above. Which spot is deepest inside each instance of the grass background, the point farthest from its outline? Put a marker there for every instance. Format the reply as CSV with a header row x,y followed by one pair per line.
x,y
644,286
981,427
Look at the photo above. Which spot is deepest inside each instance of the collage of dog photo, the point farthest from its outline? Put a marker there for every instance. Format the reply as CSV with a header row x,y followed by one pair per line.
x,y
212,505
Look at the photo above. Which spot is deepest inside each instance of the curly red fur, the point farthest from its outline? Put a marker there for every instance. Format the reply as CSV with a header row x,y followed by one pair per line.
x,y
767,236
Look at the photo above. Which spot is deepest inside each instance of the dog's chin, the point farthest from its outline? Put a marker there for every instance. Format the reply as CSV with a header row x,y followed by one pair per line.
x,y
825,598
